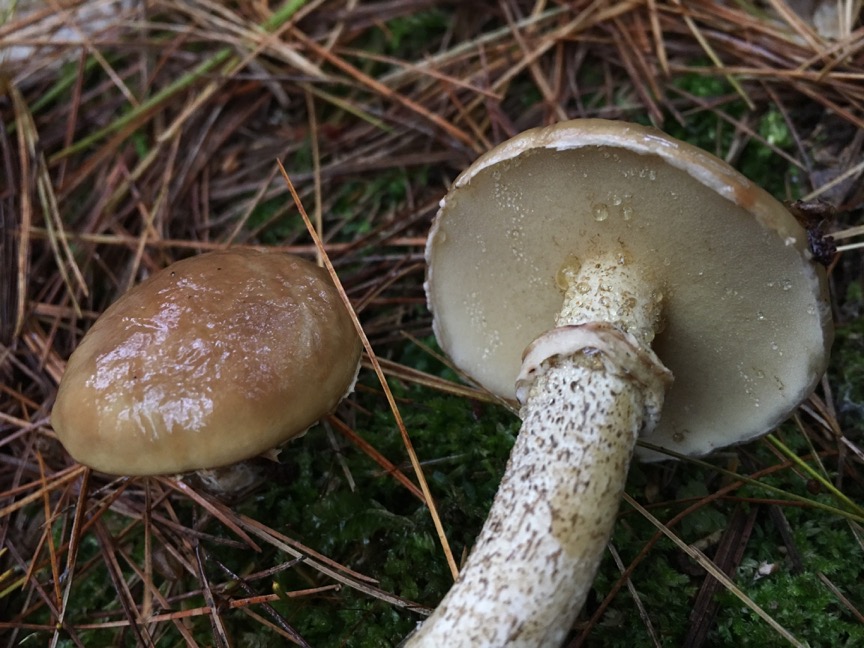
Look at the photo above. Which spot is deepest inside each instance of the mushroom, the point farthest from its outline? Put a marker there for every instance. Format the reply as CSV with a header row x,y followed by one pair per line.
x,y
212,360
578,268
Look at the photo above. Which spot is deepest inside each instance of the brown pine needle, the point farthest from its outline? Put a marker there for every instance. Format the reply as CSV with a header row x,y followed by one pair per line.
x,y
144,135
217,510
712,54
339,574
388,466
49,532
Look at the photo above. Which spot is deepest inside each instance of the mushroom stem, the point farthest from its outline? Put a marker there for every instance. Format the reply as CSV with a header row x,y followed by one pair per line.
x,y
591,386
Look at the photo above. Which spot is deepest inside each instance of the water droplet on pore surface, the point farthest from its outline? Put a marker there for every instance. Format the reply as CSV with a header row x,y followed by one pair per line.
x,y
568,269
627,212
601,212
651,174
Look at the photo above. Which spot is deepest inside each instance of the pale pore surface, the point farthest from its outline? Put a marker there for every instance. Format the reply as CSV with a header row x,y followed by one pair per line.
x,y
740,295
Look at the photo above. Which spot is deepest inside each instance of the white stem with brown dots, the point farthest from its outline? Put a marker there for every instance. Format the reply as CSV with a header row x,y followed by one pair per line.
x,y
588,388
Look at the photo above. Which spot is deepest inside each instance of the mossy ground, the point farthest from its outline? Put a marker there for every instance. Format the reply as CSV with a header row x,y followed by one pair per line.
x,y
195,171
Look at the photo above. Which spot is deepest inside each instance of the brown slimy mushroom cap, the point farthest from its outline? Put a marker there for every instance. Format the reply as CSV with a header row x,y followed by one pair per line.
x,y
746,321
215,359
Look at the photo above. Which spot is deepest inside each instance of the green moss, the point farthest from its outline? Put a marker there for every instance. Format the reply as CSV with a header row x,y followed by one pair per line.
x,y
801,602
847,372
379,528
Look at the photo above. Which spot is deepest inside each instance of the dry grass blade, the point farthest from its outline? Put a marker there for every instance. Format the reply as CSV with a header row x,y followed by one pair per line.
x,y
816,475
33,162
56,481
13,252
715,59
207,610
842,598
432,381
281,542
382,379
264,601
387,93
712,569
388,466
219,633
106,545
643,613
49,537
728,557
221,512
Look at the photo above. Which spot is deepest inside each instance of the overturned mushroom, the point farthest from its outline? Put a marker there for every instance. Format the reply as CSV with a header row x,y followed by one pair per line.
x,y
579,268
213,360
